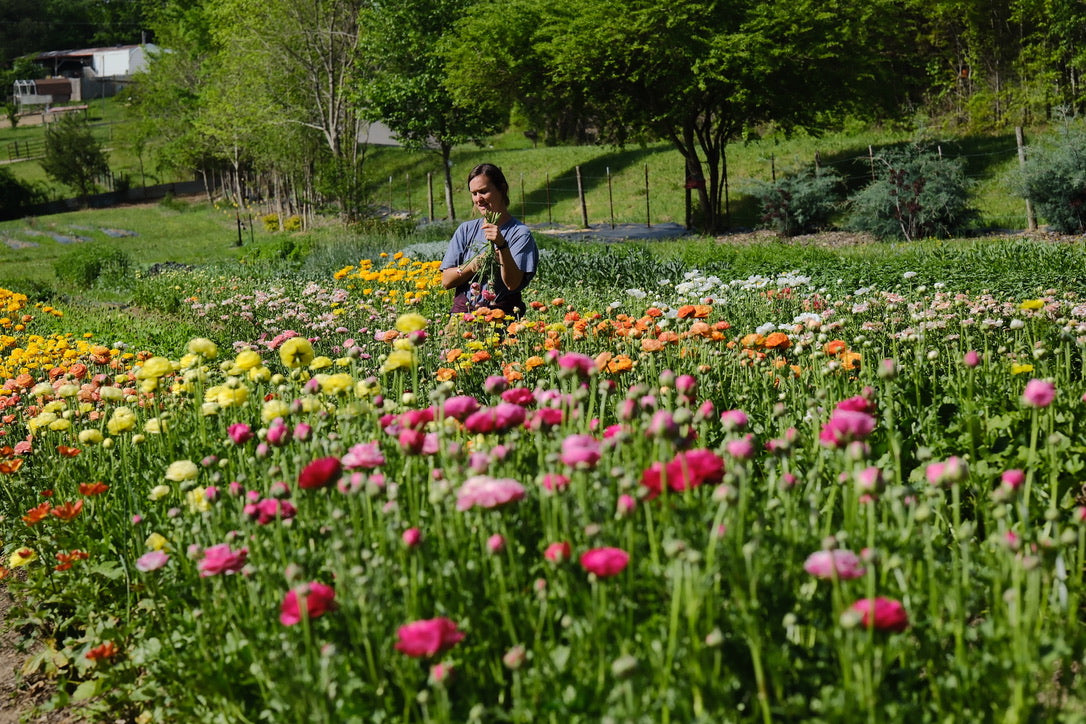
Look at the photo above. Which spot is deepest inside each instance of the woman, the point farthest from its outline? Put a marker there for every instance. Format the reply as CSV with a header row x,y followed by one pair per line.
x,y
492,279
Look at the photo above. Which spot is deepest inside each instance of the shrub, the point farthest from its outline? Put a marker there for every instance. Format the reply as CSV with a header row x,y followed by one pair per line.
x,y
916,195
73,156
1054,179
16,196
270,222
801,203
293,223
84,266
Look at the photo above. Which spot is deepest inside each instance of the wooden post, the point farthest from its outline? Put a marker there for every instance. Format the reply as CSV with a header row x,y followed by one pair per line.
x,y
1031,217
773,168
871,161
430,193
409,194
549,219
610,198
648,216
523,203
580,194
390,196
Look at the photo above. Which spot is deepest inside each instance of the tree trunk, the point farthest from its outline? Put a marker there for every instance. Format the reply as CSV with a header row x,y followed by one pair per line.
x,y
446,152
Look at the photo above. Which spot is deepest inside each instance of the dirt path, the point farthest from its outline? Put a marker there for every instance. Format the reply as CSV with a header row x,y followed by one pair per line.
x,y
19,698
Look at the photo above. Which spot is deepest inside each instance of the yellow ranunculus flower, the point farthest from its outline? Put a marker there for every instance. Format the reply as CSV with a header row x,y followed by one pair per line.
x,y
1031,304
247,359
154,426
60,425
229,396
90,437
260,374
156,542
197,500
149,385
122,420
336,384
296,352
319,363
181,470
159,491
203,347
1021,369
42,420
397,359
189,360
110,393
273,409
154,368
68,390
410,322
21,557
403,344
209,408
42,388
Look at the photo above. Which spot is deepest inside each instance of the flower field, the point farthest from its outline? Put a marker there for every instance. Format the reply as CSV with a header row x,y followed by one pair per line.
x,y
769,498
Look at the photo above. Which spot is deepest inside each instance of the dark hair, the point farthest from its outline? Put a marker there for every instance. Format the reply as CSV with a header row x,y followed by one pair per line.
x,y
496,177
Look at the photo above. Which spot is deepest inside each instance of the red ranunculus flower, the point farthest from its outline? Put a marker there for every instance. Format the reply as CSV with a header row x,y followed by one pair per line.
x,y
426,638
605,562
320,473
882,614
318,597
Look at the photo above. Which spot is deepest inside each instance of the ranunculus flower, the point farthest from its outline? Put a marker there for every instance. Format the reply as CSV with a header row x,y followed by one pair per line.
x,y
240,433
460,407
558,552
412,537
519,396
580,364
845,564
181,470
427,638
1012,479
220,559
686,470
605,562
882,614
734,419
151,561
845,426
484,491
741,448
318,598
364,455
1038,393
554,482
296,352
580,450
503,416
952,470
269,509
320,473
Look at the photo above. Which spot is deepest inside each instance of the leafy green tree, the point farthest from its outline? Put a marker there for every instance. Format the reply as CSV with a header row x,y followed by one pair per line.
x,y
403,81
16,196
73,156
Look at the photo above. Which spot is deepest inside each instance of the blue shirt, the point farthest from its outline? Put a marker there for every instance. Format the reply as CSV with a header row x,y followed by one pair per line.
x,y
468,242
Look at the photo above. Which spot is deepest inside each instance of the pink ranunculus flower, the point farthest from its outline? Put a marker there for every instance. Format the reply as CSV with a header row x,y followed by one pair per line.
x,y
845,426
881,614
626,504
1012,479
554,482
495,385
500,418
269,509
1038,393
320,473
519,396
151,561
605,562
580,364
411,441
953,470
417,419
278,432
741,448
365,455
240,433
412,537
558,552
483,491
580,451
220,559
734,419
545,418
495,544
460,407
842,564
317,597
427,638
971,358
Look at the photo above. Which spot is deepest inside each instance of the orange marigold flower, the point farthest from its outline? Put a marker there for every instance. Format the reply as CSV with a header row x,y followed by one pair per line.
x,y
444,374
105,651
778,340
89,489
37,514
68,510
835,346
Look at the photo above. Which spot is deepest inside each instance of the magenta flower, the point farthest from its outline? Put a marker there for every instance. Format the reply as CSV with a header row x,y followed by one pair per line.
x,y
579,364
686,384
483,491
971,358
580,451
734,419
845,426
269,509
495,544
881,614
220,559
1038,393
412,537
842,564
1012,479
318,599
741,448
417,419
240,433
151,561
953,470
545,418
605,562
278,432
427,638
460,407
626,504
687,470
495,385
504,416
366,455
320,473
554,483
519,396
558,552
412,441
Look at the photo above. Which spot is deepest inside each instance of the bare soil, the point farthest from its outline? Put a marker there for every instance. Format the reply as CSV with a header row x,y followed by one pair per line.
x,y
20,696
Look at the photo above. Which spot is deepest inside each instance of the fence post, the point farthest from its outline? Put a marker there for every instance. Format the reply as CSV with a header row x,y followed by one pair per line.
x,y
409,195
580,194
550,219
871,160
610,198
390,196
773,168
430,193
523,203
1031,217
648,216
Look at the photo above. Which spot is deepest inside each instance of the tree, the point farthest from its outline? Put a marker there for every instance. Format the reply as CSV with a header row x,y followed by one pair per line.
x,y
403,81
16,196
73,156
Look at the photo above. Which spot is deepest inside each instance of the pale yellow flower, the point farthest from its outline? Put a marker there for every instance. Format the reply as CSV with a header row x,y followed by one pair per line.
x,y
111,394
273,409
154,368
181,470
410,322
203,347
156,542
90,437
197,500
122,420
60,425
319,363
229,396
159,491
296,352
154,426
260,374
247,359
336,384
398,359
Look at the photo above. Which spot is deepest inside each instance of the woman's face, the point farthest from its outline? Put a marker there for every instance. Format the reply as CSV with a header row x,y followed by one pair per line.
x,y
485,195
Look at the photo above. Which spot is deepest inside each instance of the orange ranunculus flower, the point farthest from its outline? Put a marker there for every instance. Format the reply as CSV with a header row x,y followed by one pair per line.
x,y
68,452
572,316
697,311
778,340
835,346
601,360
752,340
480,356
444,374
24,381
621,363
649,344
558,302
700,329
851,360
668,337
453,354
7,451
37,514
106,651
7,467
532,362
68,510
653,312
552,343
686,311
536,305
89,489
